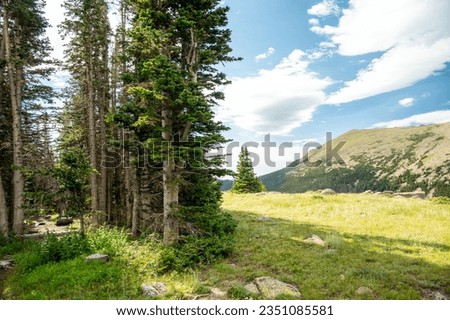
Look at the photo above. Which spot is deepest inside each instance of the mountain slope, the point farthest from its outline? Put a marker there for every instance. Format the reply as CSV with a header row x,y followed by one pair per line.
x,y
397,159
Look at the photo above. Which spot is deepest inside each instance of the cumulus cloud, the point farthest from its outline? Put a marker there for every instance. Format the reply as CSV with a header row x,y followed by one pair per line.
x,y
275,101
434,117
406,102
412,35
324,8
265,55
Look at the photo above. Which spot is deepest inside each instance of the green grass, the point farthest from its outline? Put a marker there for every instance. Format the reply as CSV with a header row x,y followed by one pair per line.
x,y
396,247
399,248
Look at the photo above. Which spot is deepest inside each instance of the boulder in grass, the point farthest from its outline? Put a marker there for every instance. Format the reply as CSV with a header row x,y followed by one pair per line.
x,y
6,264
315,239
98,257
328,192
154,289
64,221
270,288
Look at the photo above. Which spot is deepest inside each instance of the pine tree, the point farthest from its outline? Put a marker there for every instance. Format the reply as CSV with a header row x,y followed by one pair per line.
x,y
87,60
246,180
175,48
24,52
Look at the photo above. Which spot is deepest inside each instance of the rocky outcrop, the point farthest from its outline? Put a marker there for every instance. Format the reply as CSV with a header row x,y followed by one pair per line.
x,y
155,289
413,195
98,257
315,239
270,288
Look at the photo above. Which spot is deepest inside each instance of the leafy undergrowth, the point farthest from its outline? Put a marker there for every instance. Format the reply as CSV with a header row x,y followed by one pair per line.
x,y
398,248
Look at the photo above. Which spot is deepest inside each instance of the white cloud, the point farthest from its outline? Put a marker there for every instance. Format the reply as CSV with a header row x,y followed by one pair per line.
x,y
275,101
324,8
412,35
406,102
313,22
434,117
265,55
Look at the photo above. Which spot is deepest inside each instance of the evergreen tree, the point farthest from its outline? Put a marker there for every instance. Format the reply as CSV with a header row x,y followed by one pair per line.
x,y
24,51
246,180
174,49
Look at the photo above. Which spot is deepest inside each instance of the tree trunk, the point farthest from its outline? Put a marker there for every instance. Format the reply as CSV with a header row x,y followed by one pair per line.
x,y
4,228
170,183
103,108
15,83
136,205
92,133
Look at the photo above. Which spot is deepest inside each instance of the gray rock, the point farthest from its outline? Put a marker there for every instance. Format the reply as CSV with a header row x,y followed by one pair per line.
x,y
364,291
6,264
270,288
315,239
98,257
439,296
154,289
40,223
64,221
328,192
415,194
217,294
252,288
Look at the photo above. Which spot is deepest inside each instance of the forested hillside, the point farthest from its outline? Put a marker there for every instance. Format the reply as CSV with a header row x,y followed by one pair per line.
x,y
395,159
129,147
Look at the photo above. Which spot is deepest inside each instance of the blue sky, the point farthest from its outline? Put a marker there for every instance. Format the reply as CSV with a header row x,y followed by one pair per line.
x,y
311,67
316,66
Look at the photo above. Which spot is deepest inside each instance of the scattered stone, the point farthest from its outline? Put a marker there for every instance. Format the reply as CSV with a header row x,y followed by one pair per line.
x,y
217,294
270,288
388,192
364,291
40,223
6,264
315,239
342,277
48,217
414,195
368,192
328,192
98,257
64,221
439,296
252,288
154,289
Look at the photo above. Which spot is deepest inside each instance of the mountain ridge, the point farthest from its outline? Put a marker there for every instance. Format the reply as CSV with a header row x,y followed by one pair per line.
x,y
397,159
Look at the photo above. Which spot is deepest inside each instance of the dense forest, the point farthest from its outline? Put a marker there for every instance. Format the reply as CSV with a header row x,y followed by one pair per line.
x,y
130,146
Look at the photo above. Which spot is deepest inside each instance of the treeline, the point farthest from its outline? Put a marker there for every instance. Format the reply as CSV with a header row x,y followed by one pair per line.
x,y
137,123
362,177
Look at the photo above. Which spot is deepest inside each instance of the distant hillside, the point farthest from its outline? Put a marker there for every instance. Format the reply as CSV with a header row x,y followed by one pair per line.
x,y
397,159
226,184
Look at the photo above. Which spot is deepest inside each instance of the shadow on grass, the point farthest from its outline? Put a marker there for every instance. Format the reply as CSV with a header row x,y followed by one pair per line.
x,y
390,268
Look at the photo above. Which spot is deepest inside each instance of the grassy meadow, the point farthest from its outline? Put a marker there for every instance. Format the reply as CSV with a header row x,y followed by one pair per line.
x,y
398,248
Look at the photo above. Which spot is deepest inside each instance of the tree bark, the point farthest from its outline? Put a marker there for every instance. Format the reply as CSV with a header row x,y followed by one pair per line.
x,y
92,131
170,183
136,205
4,227
15,83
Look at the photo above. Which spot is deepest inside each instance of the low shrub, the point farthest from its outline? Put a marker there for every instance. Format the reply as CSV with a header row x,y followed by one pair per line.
x,y
193,251
110,241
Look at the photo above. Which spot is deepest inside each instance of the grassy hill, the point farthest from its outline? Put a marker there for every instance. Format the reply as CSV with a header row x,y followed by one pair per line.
x,y
397,159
